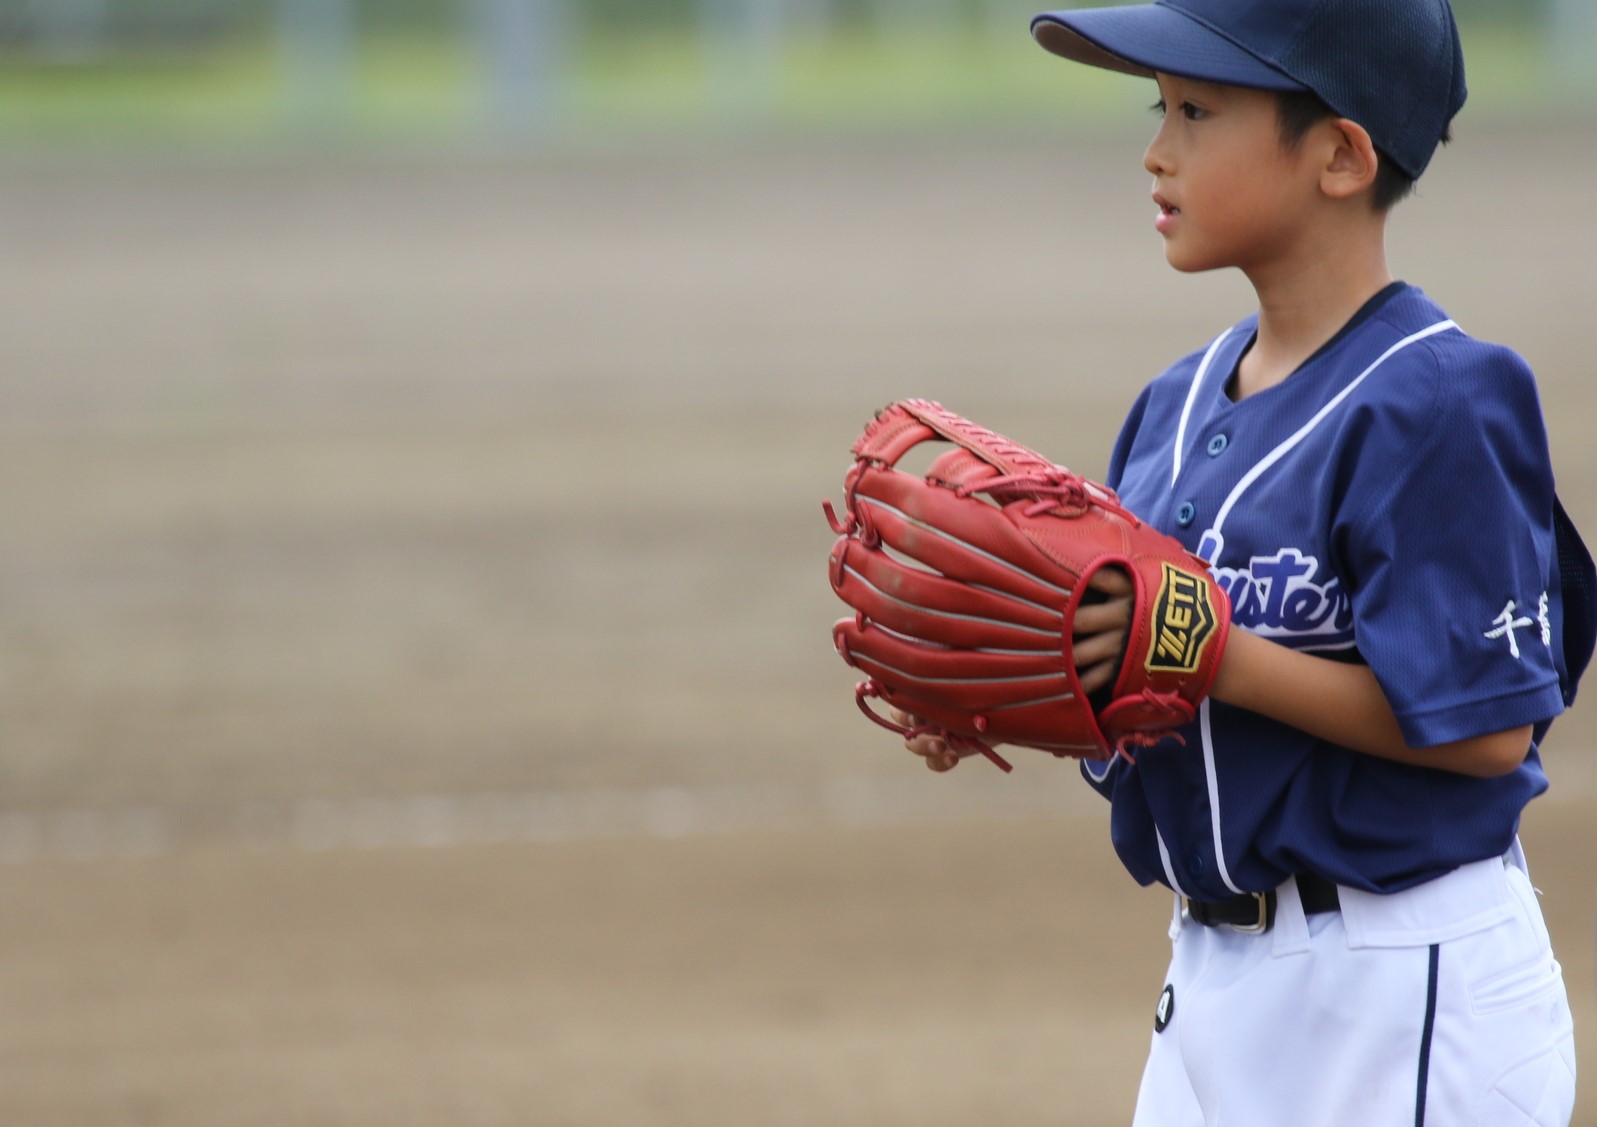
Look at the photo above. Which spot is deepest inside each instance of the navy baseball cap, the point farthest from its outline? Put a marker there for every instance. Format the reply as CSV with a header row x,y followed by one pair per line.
x,y
1394,66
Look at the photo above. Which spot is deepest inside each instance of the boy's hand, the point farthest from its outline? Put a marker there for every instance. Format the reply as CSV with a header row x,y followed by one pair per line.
x,y
933,749
1101,628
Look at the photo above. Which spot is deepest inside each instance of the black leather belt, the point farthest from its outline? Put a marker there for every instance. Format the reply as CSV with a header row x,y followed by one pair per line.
x,y
1255,911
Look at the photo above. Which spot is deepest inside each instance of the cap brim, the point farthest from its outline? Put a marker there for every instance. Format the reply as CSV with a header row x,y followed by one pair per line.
x,y
1148,38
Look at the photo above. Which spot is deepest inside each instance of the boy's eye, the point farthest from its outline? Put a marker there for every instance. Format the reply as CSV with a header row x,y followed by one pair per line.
x,y
1188,110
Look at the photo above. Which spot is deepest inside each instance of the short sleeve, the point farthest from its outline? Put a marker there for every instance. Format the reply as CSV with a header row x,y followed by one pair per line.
x,y
1445,539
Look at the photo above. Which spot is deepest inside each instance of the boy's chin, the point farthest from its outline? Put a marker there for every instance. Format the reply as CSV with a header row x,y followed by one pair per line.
x,y
1185,264
1187,259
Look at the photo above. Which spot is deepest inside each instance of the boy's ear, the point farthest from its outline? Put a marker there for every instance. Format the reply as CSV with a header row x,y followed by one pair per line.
x,y
1352,163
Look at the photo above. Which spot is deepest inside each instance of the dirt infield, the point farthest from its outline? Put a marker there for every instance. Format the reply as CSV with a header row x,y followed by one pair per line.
x,y
414,676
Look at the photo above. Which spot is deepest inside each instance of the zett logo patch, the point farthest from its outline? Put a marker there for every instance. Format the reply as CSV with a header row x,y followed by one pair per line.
x,y
1183,623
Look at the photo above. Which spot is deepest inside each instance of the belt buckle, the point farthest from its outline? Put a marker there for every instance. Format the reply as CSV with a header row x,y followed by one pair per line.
x,y
1262,924
1193,910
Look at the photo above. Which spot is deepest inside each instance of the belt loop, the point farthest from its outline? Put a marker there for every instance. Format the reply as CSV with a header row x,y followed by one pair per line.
x,y
1291,932
1516,856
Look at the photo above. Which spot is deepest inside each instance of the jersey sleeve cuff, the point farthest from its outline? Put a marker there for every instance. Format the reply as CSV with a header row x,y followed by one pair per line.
x,y
1480,717
1097,775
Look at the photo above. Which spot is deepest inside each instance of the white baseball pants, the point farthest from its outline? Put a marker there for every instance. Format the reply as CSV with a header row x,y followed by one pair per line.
x,y
1440,1005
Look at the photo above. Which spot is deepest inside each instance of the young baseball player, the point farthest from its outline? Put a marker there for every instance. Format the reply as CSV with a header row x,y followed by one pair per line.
x,y
1355,938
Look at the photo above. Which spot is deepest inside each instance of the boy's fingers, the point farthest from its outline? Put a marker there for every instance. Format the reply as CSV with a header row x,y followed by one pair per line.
x,y
1110,581
1097,618
934,749
930,747
1100,635
1097,648
1095,677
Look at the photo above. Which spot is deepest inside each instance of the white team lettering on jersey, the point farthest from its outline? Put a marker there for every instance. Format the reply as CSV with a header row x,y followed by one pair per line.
x,y
1277,597
1505,624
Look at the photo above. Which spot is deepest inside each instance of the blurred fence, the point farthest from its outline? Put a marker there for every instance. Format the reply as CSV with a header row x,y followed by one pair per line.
x,y
524,68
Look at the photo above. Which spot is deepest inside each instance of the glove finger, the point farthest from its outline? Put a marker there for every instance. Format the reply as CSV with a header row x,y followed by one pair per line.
x,y
1053,727
969,679
936,609
963,540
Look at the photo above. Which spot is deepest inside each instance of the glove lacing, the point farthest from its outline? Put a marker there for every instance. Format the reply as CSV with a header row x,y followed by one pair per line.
x,y
868,689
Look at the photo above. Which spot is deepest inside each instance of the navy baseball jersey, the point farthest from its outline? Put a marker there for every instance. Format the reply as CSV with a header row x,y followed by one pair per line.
x,y
1390,503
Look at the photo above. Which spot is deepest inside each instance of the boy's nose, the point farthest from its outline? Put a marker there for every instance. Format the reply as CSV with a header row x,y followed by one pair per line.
x,y
1154,159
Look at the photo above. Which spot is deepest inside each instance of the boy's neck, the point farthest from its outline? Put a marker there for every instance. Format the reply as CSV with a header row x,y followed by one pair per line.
x,y
1305,302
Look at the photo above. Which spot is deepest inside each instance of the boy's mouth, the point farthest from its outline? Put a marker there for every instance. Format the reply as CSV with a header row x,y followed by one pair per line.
x,y
1168,214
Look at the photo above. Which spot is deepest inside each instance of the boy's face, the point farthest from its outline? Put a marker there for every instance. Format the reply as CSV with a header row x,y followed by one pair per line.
x,y
1229,194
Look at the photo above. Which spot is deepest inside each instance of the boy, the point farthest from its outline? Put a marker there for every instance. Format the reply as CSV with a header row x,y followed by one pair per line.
x,y
1356,940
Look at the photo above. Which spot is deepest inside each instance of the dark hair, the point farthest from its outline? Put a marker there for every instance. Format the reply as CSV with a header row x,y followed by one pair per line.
x,y
1301,110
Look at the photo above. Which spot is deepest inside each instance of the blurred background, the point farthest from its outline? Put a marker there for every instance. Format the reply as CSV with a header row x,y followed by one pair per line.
x,y
507,73
416,697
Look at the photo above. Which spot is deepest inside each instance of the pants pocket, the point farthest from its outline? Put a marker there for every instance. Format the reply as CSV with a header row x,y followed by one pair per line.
x,y
1518,986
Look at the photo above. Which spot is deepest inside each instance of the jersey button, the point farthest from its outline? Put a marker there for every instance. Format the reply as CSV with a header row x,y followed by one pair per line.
x,y
1217,445
1195,863
1186,514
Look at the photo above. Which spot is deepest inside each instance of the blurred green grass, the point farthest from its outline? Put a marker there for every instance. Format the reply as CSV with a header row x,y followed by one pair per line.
x,y
421,88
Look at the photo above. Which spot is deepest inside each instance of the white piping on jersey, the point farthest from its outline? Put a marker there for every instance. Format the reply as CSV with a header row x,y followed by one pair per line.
x,y
1253,475
1164,859
1192,397
1307,428
1214,807
1213,779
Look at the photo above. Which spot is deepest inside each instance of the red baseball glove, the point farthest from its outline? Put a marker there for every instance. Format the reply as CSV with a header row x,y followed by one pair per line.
x,y
966,583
